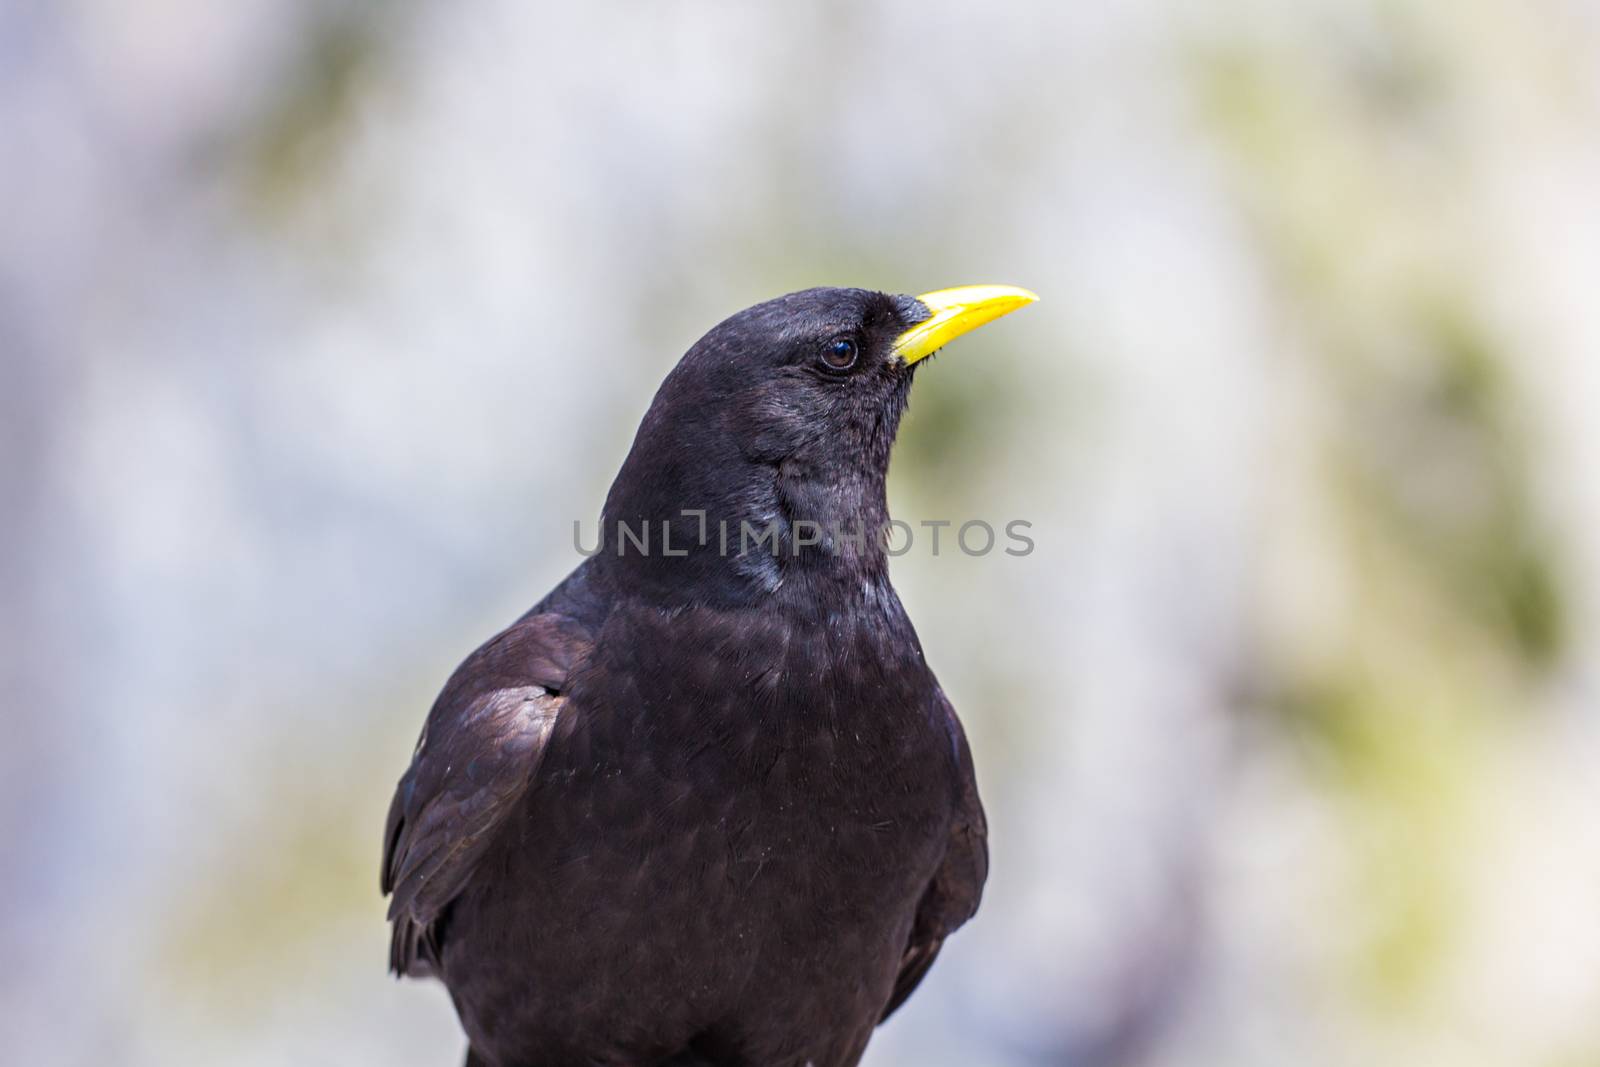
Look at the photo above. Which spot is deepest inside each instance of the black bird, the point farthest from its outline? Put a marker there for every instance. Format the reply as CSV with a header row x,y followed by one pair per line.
x,y
705,803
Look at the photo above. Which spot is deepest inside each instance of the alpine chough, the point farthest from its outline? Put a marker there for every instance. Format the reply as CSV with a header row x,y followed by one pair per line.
x,y
705,803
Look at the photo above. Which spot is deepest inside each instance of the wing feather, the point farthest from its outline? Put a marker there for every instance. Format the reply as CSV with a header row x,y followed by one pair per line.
x,y
480,749
957,887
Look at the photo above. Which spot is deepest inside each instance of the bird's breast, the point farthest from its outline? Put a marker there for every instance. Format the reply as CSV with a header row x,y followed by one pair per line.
x,y
809,747
728,804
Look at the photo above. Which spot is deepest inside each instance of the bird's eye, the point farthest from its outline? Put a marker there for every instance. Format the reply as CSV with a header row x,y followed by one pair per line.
x,y
840,354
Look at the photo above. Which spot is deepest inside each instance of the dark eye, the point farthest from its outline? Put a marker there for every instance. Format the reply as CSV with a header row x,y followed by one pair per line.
x,y
840,354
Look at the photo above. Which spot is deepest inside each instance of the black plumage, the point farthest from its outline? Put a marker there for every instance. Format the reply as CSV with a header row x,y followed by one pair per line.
x,y
708,807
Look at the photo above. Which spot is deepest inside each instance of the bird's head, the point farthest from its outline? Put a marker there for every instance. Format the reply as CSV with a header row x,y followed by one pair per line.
x,y
777,425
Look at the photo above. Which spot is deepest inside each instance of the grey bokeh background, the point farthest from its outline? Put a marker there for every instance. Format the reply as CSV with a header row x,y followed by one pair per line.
x,y
321,323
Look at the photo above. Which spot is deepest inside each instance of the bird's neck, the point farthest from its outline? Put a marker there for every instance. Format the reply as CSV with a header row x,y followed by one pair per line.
x,y
775,532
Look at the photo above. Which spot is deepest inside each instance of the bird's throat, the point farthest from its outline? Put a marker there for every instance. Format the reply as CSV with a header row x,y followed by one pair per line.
x,y
783,525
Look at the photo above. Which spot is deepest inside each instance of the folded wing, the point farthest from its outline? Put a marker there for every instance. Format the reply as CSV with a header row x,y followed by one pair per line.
x,y
480,749
953,895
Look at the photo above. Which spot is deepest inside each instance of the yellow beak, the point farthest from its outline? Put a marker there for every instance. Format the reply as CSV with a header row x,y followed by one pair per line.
x,y
953,312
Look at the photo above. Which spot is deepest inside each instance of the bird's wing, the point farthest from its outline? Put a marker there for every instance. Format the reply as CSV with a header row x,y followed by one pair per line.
x,y
480,748
952,897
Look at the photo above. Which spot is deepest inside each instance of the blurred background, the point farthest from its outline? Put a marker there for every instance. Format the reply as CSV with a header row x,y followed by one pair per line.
x,y
322,322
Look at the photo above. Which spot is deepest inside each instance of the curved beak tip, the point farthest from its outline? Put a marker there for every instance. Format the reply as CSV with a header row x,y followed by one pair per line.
x,y
953,312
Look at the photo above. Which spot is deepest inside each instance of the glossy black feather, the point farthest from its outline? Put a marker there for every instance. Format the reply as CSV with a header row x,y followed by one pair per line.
x,y
708,808
479,750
